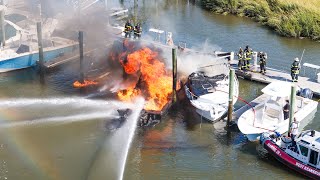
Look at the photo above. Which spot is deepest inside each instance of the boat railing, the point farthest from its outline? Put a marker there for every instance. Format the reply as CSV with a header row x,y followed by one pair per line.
x,y
189,94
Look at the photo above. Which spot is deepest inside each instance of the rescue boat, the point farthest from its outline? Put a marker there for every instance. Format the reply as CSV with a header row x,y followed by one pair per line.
x,y
301,155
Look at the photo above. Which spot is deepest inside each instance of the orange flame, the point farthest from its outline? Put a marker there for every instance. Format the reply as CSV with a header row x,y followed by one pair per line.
x,y
86,83
153,73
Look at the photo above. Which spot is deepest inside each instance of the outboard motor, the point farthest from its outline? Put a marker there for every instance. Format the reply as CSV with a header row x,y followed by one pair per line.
x,y
306,93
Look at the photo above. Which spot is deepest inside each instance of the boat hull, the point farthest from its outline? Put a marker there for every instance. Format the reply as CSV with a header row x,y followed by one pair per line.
x,y
308,116
253,137
207,115
292,163
27,60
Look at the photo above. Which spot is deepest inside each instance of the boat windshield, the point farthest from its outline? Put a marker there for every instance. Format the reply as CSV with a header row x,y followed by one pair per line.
x,y
278,89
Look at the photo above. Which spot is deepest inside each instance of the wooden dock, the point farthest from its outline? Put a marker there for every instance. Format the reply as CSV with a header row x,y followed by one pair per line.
x,y
65,58
276,75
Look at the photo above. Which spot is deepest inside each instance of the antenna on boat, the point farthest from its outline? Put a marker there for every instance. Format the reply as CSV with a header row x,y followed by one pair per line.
x,y
301,58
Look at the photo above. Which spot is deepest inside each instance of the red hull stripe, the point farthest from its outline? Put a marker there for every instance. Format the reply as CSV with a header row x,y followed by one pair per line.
x,y
287,160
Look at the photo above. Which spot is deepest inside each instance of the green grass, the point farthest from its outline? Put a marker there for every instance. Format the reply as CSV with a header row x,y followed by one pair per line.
x,y
291,18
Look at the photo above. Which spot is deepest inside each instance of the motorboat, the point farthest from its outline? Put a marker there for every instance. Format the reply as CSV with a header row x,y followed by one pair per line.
x,y
208,91
266,113
21,50
301,155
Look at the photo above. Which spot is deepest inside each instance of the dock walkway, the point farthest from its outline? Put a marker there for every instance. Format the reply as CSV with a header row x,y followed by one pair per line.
x,y
276,75
66,58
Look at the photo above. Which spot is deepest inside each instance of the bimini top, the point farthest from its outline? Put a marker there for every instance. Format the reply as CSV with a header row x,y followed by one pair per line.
x,y
278,89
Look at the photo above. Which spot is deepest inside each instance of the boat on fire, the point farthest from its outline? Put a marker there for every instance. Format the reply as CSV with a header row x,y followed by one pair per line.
x,y
267,114
208,91
301,155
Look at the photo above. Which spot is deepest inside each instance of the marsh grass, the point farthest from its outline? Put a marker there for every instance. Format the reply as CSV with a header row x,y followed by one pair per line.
x,y
291,18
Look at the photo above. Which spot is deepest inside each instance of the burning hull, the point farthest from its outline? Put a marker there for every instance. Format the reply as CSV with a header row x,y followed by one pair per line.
x,y
152,117
145,74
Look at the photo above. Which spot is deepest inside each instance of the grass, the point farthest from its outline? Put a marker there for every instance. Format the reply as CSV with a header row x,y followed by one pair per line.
x,y
291,18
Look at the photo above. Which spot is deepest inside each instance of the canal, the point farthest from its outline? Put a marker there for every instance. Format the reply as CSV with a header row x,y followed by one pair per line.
x,y
75,145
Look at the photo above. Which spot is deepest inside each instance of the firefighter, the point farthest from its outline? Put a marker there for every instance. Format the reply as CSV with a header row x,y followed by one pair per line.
x,y
137,31
247,57
295,67
240,58
262,62
128,29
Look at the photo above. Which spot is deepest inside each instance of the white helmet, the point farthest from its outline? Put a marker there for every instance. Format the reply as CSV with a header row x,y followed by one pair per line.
x,y
296,59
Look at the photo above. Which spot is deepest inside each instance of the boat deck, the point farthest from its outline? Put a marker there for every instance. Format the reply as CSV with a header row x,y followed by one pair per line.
x,y
276,75
244,108
200,84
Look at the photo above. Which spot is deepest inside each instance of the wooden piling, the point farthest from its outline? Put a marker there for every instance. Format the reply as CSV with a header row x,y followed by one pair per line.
x,y
231,90
135,12
292,106
174,75
3,31
41,57
81,56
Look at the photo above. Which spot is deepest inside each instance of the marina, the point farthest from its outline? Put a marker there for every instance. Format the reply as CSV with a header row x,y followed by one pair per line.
x,y
278,75
52,129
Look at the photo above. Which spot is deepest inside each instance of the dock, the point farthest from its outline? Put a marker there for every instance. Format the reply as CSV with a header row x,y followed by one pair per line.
x,y
65,59
276,75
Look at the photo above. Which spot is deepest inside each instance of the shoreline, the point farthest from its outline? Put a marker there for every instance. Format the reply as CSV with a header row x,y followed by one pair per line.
x,y
288,19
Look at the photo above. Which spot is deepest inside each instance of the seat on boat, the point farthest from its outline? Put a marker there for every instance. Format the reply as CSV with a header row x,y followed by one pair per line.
x,y
273,113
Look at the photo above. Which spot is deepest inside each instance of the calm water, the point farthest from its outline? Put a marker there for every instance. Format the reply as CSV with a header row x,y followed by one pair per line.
x,y
64,143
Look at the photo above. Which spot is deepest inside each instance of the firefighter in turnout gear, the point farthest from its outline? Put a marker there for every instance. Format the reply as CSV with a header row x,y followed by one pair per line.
x,y
247,57
137,31
295,67
262,62
128,28
240,59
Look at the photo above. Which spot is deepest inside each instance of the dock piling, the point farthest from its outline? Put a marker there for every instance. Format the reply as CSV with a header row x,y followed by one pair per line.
x,y
292,106
3,32
81,56
231,90
174,75
255,61
41,57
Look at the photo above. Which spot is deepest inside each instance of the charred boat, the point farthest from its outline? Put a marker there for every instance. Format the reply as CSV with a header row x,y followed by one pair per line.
x,y
208,91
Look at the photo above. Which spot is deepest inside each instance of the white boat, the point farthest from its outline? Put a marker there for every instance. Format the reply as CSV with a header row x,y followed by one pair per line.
x,y
267,115
21,51
301,155
208,91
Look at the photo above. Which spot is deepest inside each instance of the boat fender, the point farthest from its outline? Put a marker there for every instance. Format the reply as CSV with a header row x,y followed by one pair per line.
x,y
264,136
212,114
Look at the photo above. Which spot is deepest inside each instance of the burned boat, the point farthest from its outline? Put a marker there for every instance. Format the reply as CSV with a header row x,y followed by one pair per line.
x,y
208,91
